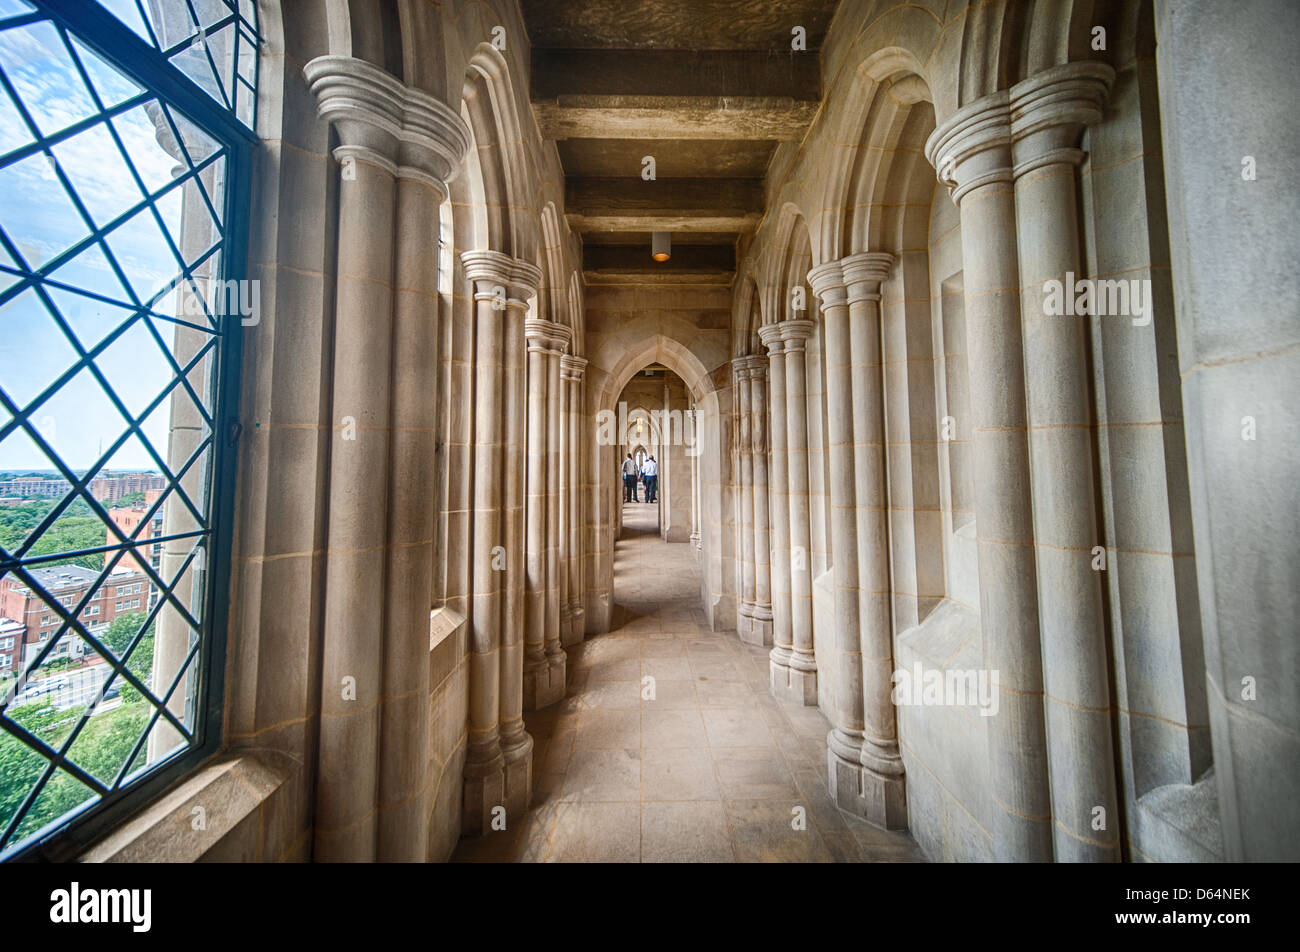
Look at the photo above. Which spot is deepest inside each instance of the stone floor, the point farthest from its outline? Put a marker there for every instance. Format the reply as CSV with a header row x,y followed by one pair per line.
x,y
711,769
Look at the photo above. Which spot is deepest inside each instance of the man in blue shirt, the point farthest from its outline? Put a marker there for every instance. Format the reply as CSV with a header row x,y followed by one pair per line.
x,y
650,473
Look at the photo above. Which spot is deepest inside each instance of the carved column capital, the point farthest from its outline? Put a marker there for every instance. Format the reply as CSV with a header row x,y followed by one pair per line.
x,y
795,334
972,147
827,280
572,367
770,335
381,120
863,274
499,276
1050,110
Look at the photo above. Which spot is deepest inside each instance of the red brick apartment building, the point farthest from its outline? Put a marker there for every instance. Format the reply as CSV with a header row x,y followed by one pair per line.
x,y
27,616
127,520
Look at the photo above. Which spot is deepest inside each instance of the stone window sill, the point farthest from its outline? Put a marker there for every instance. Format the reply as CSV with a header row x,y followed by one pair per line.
x,y
192,818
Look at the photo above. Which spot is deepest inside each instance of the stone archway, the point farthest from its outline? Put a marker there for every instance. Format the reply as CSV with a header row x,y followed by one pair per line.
x,y
700,359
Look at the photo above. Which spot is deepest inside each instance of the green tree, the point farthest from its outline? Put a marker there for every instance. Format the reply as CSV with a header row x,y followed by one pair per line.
x,y
118,636
77,527
101,749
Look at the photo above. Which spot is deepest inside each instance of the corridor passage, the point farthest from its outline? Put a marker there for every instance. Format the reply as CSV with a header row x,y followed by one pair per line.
x,y
710,770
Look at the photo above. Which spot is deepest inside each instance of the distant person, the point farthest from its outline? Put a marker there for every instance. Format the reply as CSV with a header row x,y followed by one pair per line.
x,y
650,472
629,479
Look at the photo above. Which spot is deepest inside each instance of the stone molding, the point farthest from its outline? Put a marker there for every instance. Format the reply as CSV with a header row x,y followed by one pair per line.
x,y
973,146
1040,119
572,368
848,280
547,336
863,274
827,280
380,119
1050,110
749,366
491,269
770,335
795,334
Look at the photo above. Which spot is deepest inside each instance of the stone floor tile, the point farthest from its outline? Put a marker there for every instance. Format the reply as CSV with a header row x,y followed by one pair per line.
x,y
736,728
596,833
753,773
763,831
668,728
678,774
601,729
693,832
603,775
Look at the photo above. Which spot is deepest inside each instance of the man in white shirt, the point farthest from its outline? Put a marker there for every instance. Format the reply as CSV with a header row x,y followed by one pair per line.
x,y
650,473
629,479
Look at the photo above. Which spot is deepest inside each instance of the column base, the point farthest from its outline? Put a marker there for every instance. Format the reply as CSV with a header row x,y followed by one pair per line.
x,y
518,778
483,793
544,682
880,800
793,684
755,625
573,628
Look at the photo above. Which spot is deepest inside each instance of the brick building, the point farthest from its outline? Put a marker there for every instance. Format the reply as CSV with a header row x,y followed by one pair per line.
x,y
121,593
127,520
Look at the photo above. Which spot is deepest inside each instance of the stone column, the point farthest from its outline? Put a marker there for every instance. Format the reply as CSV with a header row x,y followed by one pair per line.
x,y
543,672
498,758
761,627
1234,214
972,151
572,368
797,680
844,742
1048,115
396,144
352,674
782,640
564,514
557,342
881,797
404,782
516,744
694,429
745,467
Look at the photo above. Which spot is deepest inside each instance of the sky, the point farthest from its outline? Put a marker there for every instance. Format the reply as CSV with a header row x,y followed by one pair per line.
x,y
42,222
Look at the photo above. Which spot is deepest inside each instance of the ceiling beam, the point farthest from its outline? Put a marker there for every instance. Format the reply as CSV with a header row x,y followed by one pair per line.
x,y
630,204
674,117
701,74
689,264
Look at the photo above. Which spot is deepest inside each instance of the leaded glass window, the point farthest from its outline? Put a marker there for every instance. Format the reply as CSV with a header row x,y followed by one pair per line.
x,y
124,142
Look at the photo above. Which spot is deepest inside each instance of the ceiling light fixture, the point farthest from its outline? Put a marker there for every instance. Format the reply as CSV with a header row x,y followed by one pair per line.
x,y
661,245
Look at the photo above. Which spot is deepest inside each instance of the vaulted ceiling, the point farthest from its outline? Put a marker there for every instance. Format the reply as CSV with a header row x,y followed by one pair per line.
x,y
708,88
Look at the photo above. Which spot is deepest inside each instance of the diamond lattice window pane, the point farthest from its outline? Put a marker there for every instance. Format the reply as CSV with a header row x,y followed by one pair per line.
x,y
128,11
110,85
91,317
36,61
47,355
30,192
112,289
97,174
